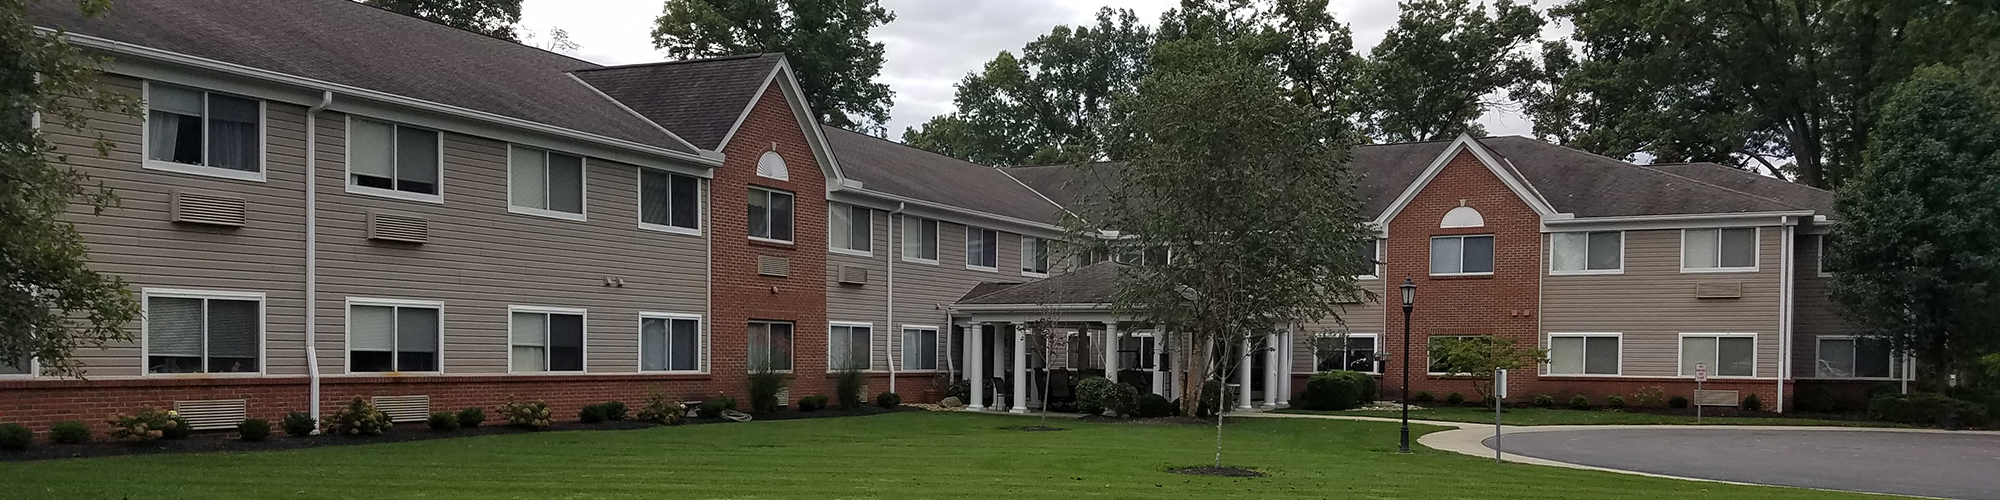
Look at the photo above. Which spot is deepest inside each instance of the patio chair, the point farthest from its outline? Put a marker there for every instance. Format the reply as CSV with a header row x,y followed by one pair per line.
x,y
1061,386
1000,389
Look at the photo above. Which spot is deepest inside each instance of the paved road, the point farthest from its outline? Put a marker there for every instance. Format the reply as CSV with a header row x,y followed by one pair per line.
x,y
1923,464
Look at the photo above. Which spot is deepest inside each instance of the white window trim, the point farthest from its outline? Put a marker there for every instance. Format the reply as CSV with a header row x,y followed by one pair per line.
x,y
1857,359
701,342
784,175
829,343
546,310
1027,255
1375,268
34,370
1148,334
347,331
833,205
1547,368
145,328
899,354
795,219
937,238
1819,257
1586,271
347,162
583,185
969,229
146,135
794,350
1756,260
1461,254
639,211
1680,352
1378,349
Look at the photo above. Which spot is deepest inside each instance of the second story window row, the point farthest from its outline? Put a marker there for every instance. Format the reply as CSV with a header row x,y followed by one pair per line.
x,y
1462,255
393,159
770,215
204,132
545,183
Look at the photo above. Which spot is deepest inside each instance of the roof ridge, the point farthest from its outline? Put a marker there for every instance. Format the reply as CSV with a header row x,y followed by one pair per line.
x,y
1721,187
680,61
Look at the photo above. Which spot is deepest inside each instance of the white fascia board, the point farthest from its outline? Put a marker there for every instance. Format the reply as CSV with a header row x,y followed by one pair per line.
x,y
932,210
1672,221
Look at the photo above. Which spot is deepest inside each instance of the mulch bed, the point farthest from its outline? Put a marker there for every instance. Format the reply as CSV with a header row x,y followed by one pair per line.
x,y
1209,470
1039,428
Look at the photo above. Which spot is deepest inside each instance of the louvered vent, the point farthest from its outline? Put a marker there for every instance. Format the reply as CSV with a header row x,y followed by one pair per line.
x,y
212,414
405,408
403,228
853,275
1715,398
1708,290
774,266
194,208
785,396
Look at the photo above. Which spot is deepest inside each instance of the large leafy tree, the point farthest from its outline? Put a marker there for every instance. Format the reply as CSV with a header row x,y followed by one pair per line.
x,y
1786,87
494,18
825,40
1435,73
51,302
1916,238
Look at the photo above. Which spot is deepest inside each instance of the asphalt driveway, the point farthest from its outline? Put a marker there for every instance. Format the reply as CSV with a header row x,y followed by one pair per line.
x,y
1948,465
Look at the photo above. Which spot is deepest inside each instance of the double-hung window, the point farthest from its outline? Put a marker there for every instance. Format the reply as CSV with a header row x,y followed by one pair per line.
x,y
545,183
1352,352
1726,355
669,201
204,132
770,215
1599,252
1138,352
546,340
1584,353
1853,357
1442,349
669,342
770,346
920,348
1370,265
852,228
204,332
392,159
1719,250
1461,255
393,336
920,239
849,346
1034,256
982,249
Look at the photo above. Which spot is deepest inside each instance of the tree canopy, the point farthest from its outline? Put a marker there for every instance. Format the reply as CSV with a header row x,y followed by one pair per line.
x,y
494,18
826,42
1431,76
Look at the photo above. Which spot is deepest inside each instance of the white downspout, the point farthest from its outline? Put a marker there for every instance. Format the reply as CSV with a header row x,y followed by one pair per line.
x,y
312,251
1785,294
889,262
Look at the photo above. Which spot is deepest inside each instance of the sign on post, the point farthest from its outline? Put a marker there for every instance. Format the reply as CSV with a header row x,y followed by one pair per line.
x,y
1701,372
1700,375
1499,393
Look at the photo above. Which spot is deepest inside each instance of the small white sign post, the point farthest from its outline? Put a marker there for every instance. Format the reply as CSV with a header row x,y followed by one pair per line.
x,y
1499,393
1700,375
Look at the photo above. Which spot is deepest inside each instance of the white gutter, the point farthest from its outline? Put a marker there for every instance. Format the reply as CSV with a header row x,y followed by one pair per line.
x,y
312,251
956,210
1785,296
889,319
1674,217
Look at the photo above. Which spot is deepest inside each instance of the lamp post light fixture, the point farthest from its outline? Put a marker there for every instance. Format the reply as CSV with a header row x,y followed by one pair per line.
x,y
1409,301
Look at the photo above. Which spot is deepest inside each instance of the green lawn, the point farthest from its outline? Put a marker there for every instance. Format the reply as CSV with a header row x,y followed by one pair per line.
x,y
1552,416
902,455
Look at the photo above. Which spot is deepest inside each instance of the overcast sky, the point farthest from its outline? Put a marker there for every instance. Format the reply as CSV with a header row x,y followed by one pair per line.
x,y
931,44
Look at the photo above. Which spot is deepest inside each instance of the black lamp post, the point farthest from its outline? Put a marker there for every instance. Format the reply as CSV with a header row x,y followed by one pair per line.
x,y
1409,301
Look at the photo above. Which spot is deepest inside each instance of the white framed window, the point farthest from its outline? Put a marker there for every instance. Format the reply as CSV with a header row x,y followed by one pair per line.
x,y
388,335
1461,255
394,160
770,345
195,331
1853,357
201,132
770,215
1138,351
1371,260
982,249
920,348
545,183
1436,345
1823,243
772,165
669,342
25,367
920,240
1595,252
849,346
1585,353
1726,354
1034,257
669,202
851,229
545,339
1352,352
1719,250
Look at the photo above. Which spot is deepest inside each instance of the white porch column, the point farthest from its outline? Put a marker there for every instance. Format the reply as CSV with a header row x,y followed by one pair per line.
x,y
1111,351
1271,388
1174,390
1243,378
1160,364
997,362
1284,368
1020,395
975,369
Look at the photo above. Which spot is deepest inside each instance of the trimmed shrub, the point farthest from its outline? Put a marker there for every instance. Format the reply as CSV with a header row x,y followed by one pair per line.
x,y
69,432
1925,409
1454,399
1423,397
15,437
847,388
1615,402
888,400
1579,403
1091,393
1817,398
253,429
470,418
614,410
531,414
1155,406
713,408
661,409
1751,403
1545,401
1123,401
298,424
812,403
359,418
1335,390
443,421
593,414
764,388
149,423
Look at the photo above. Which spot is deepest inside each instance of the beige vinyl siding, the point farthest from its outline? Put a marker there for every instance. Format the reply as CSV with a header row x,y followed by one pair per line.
x,y
867,303
481,259
1814,313
1652,303
1365,317
924,291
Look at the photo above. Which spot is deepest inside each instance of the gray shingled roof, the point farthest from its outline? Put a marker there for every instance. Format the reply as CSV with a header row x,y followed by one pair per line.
x,y
345,42
697,100
901,170
1790,193
1092,284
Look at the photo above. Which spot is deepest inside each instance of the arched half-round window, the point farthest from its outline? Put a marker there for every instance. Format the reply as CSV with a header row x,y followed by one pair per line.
x,y
771,165
1463,217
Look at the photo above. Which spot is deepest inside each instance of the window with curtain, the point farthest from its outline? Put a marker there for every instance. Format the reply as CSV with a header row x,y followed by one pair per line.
x,y
670,344
848,347
1579,252
1572,354
1719,249
546,342
1726,355
920,349
1853,357
770,214
192,334
770,346
1353,352
1462,255
197,127
982,248
392,156
851,227
1034,256
920,238
545,182
1371,259
669,200
392,338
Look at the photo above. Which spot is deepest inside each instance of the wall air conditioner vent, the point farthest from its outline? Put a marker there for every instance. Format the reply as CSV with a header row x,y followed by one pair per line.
x,y
1718,290
400,228
853,275
1716,398
195,208
405,408
774,266
212,414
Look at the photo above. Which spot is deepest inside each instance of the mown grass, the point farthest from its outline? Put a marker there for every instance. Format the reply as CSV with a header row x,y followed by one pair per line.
x,y
902,455
1563,416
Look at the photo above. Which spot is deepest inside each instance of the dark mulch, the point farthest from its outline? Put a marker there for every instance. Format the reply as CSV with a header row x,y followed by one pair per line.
x,y
1209,470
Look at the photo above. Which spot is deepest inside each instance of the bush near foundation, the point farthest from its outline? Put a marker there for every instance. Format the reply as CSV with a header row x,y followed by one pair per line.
x,y
1091,394
149,423
764,388
1336,390
15,437
530,414
1423,397
1817,399
443,421
661,409
253,429
298,424
1545,401
1615,402
1155,406
713,408
812,403
1454,399
1677,402
69,432
1751,403
470,418
1925,409
359,418
1579,403
888,400
847,388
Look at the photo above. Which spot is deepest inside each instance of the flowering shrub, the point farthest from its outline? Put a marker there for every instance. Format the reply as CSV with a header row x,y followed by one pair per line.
x,y
359,418
530,414
149,423
661,409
